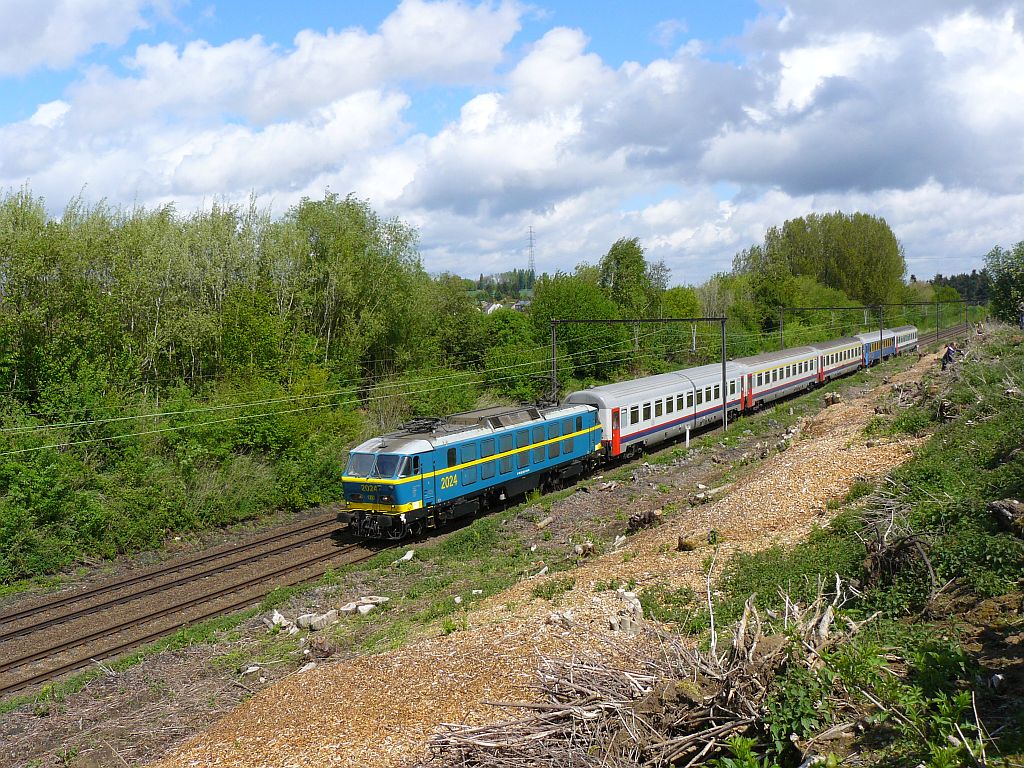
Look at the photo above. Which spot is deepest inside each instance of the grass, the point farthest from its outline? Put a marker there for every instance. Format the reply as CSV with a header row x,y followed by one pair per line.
x,y
553,588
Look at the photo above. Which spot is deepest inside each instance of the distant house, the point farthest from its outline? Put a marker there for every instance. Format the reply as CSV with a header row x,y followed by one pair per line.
x,y
522,305
490,309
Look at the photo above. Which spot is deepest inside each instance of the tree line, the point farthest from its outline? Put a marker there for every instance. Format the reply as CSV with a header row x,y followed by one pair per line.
x,y
162,371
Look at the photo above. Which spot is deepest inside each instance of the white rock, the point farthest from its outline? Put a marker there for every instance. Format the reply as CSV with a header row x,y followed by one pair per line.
x,y
541,572
405,558
458,599
365,608
478,591
249,670
308,666
533,548
701,487
619,542
305,620
349,607
373,600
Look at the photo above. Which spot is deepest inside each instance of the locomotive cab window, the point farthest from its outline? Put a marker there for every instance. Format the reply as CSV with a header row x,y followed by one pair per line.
x,y
451,457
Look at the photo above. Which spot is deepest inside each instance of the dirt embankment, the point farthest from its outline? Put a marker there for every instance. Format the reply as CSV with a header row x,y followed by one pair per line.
x,y
381,710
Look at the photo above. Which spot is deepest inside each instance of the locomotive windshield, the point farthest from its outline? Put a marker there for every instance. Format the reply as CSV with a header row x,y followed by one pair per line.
x,y
372,465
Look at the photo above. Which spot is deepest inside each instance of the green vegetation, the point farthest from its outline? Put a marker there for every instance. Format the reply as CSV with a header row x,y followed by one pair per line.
x,y
553,588
918,679
1006,268
162,372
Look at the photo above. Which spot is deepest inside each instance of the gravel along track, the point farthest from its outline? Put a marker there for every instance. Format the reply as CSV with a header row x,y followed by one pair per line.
x,y
71,631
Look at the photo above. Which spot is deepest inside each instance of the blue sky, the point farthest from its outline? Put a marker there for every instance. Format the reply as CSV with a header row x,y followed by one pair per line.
x,y
691,125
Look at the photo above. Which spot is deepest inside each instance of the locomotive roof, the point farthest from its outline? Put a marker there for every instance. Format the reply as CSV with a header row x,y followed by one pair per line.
x,y
423,434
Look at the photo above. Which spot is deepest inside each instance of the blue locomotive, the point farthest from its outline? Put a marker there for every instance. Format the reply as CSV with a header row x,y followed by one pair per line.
x,y
433,470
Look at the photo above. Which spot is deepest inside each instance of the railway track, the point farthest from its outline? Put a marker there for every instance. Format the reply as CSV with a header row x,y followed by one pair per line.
x,y
146,606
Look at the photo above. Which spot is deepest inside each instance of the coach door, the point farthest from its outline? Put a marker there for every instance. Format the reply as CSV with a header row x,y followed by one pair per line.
x,y
616,434
749,394
821,369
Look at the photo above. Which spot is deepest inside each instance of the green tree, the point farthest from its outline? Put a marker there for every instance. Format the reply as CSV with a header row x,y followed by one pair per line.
x,y
1006,268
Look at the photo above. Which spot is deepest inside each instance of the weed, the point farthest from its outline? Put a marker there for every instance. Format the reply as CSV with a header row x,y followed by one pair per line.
x,y
554,588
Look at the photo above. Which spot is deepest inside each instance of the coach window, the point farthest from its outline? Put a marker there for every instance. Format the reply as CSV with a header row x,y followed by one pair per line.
x,y
468,454
553,432
700,396
718,392
732,388
538,437
657,408
689,399
451,457
760,381
669,403
634,414
647,411
679,402
707,394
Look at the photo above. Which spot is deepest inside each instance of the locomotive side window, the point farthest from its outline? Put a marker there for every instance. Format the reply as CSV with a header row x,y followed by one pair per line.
x,y
579,423
487,470
523,440
505,443
538,437
634,414
553,432
505,464
647,411
468,454
567,430
451,457
486,448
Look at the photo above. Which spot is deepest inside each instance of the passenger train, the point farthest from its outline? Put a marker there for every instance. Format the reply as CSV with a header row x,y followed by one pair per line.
x,y
434,470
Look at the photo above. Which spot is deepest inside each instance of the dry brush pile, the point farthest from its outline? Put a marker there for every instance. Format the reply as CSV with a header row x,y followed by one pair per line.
x,y
660,702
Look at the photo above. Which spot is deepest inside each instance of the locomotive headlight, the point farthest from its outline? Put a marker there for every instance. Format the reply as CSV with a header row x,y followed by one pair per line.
x,y
387,497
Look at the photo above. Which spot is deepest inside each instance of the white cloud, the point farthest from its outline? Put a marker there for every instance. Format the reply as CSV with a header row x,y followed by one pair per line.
x,y
921,123
54,33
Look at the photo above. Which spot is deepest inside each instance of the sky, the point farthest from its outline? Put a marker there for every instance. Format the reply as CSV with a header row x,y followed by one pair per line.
x,y
691,125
